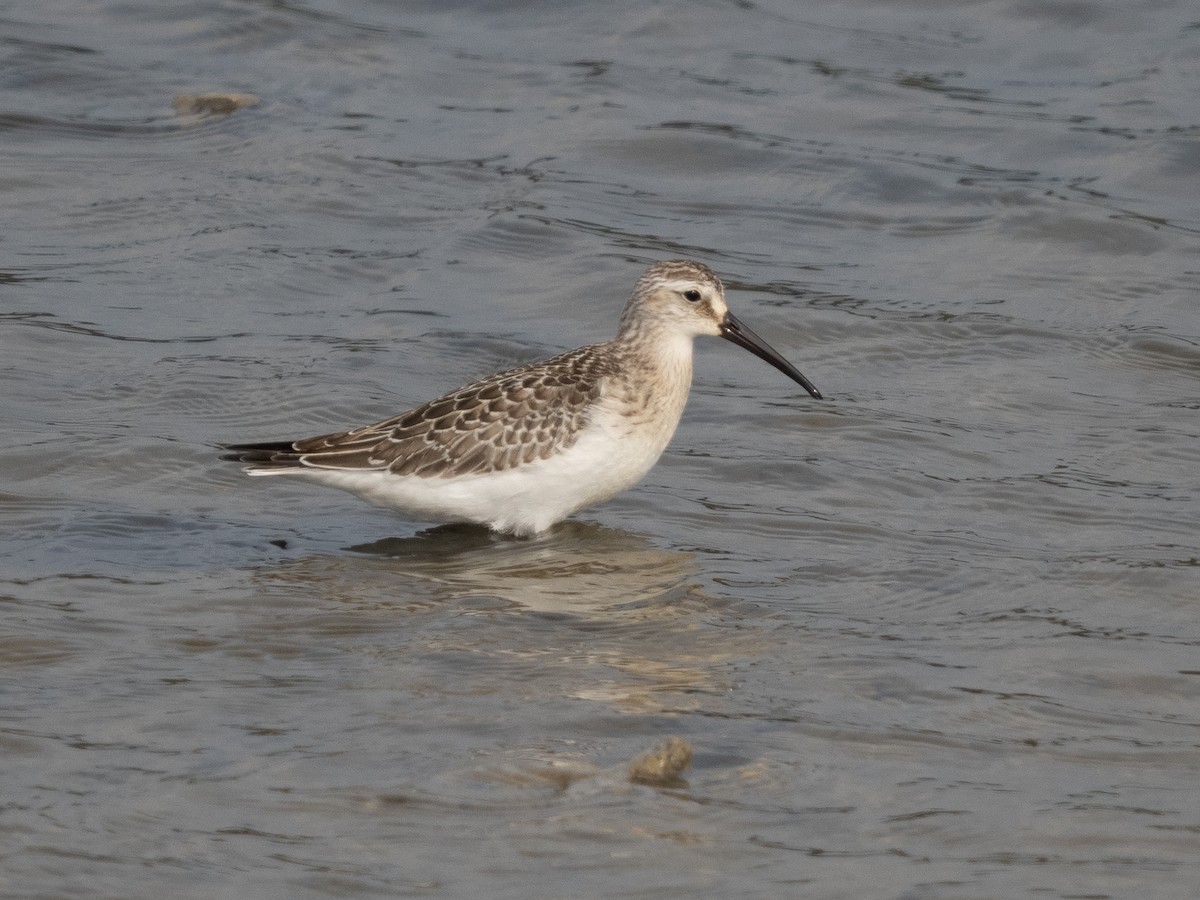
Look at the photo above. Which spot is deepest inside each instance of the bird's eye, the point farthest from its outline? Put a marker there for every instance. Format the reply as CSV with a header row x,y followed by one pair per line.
x,y
692,295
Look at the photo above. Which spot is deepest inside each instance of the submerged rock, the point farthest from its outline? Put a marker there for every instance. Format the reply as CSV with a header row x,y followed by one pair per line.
x,y
662,766
217,103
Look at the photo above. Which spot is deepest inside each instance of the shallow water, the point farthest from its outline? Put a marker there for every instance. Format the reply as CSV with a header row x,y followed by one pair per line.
x,y
935,637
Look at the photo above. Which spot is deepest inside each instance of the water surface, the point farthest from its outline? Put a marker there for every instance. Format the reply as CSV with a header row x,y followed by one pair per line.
x,y
935,637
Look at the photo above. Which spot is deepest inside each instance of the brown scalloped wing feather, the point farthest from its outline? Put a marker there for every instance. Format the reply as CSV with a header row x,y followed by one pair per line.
x,y
506,420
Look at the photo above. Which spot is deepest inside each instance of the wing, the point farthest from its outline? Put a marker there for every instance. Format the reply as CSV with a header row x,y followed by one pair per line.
x,y
503,421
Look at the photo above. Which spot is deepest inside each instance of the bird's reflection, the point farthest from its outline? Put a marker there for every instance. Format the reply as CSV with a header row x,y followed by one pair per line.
x,y
574,568
592,612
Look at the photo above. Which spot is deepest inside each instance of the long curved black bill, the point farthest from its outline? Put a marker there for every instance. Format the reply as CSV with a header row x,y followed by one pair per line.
x,y
734,331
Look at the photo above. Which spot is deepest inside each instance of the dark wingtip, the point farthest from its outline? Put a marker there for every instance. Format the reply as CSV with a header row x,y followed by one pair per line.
x,y
267,453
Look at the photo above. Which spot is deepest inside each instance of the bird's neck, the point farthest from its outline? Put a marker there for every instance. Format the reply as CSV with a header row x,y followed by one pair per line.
x,y
657,348
660,375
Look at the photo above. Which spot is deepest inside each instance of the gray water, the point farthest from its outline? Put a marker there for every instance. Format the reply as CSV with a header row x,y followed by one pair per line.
x,y
936,636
